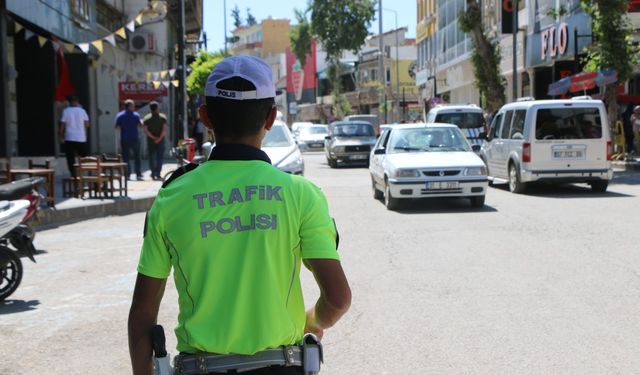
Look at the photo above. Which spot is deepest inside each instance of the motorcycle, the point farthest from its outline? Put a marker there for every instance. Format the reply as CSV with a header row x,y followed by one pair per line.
x,y
19,203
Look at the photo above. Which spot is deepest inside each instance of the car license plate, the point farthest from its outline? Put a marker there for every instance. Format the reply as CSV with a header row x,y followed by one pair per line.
x,y
568,154
358,157
316,144
442,185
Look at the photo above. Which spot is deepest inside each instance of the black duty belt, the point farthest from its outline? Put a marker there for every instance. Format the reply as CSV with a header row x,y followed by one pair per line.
x,y
203,363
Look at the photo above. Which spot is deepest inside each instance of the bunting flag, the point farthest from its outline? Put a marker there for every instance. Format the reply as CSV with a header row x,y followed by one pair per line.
x,y
28,34
156,84
172,72
42,41
56,46
175,83
122,33
138,20
131,26
98,45
148,76
68,47
111,39
18,27
84,47
163,74
165,84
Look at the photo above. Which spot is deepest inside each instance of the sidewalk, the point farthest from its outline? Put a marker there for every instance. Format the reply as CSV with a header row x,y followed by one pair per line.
x,y
69,210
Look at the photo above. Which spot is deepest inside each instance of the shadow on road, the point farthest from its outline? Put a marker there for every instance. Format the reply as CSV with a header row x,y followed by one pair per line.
x,y
441,206
626,178
12,306
563,191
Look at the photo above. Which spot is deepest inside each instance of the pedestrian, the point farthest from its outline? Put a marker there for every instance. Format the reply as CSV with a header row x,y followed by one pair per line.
x,y
628,127
198,134
155,127
128,121
73,132
635,123
235,230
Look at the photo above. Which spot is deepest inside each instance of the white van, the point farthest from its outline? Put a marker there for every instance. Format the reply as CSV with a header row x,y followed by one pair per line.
x,y
468,117
551,141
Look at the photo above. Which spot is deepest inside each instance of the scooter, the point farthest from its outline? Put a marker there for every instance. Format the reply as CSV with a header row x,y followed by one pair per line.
x,y
19,203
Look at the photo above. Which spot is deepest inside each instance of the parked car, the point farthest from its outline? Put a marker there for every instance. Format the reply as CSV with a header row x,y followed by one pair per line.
x,y
349,141
279,145
312,137
374,120
559,141
468,117
296,126
426,161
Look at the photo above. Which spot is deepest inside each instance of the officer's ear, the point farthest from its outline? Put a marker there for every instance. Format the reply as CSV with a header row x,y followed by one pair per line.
x,y
204,116
271,118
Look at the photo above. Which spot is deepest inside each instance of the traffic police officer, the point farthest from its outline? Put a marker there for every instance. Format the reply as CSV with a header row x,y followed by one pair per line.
x,y
235,230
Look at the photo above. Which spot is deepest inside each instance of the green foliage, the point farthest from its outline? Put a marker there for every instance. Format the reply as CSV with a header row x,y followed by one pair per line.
x,y
251,20
613,48
300,37
200,70
235,13
341,106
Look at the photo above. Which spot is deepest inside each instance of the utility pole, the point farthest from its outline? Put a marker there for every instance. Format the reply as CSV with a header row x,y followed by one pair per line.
x,y
514,4
181,126
5,142
224,10
381,72
395,14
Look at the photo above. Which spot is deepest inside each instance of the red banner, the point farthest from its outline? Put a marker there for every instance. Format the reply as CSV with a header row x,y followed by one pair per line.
x,y
140,91
300,78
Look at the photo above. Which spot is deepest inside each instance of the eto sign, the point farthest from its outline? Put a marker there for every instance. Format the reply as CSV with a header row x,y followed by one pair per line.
x,y
555,41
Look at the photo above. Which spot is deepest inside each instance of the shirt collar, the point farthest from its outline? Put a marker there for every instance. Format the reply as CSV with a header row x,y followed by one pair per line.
x,y
238,152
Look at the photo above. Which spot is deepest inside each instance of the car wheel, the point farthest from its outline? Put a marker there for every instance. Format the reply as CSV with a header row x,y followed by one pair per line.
x,y
390,202
477,201
599,186
377,194
515,185
332,163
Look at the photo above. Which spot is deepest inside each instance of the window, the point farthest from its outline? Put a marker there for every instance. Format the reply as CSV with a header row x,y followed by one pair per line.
x,y
568,123
80,10
495,125
504,134
108,17
464,120
517,128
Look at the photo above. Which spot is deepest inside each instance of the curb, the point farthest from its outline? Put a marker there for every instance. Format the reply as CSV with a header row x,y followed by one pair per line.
x,y
626,166
52,218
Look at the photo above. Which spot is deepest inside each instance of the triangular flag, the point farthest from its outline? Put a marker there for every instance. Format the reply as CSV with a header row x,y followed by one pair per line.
x,y
18,27
28,34
165,84
111,39
148,76
172,72
122,33
69,47
139,19
98,45
175,83
131,26
156,84
56,46
163,74
42,41
84,47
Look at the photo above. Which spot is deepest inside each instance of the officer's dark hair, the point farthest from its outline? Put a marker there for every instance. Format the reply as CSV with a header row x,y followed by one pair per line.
x,y
153,106
237,118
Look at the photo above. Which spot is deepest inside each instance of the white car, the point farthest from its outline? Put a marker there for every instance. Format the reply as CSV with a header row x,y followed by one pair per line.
x,y
296,126
426,161
282,149
312,137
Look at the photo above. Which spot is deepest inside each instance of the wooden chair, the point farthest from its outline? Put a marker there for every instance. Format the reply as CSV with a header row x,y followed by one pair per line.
x,y
91,178
44,165
115,174
5,167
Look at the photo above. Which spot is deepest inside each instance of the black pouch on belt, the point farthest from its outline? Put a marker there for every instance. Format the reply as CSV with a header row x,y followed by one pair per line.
x,y
311,354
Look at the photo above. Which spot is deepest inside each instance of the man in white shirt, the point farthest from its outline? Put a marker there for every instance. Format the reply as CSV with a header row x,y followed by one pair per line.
x,y
73,132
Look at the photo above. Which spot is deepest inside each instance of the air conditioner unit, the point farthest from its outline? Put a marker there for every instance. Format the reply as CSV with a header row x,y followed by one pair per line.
x,y
142,42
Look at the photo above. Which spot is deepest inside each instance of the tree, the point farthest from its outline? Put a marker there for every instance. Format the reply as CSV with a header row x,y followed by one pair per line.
x,y
200,69
613,48
485,57
251,20
237,20
301,36
340,25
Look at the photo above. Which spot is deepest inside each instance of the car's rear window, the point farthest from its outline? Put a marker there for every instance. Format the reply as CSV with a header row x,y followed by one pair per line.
x,y
354,130
568,123
464,120
276,137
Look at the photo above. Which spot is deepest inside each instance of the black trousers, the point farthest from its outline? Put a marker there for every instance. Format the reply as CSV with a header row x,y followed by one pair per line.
x,y
73,149
273,370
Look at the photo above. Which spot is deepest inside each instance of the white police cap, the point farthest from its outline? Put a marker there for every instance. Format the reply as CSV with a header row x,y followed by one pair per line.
x,y
251,68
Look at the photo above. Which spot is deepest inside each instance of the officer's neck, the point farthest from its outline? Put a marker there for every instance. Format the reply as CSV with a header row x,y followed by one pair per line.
x,y
253,141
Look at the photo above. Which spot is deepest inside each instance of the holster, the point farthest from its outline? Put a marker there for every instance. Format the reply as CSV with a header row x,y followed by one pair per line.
x,y
311,354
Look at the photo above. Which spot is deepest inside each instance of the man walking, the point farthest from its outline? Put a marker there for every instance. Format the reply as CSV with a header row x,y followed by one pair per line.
x,y
236,230
73,132
155,127
128,121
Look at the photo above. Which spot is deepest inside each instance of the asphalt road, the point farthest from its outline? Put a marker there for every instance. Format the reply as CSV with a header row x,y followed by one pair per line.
x,y
547,282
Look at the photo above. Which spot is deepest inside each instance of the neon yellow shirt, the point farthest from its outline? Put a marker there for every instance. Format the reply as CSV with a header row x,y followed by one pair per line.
x,y
235,233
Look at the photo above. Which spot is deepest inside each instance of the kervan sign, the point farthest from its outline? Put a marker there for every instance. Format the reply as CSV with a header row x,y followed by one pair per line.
x,y
556,42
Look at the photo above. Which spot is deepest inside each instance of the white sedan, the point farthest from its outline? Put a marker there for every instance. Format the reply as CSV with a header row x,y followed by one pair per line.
x,y
426,161
279,145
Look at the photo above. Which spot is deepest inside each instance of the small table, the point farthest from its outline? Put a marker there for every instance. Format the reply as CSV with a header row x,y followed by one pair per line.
x,y
48,174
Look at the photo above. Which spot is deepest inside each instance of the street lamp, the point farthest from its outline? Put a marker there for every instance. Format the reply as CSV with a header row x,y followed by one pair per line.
x,y
395,13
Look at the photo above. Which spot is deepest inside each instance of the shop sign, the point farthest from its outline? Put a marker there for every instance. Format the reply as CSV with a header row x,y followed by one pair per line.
x,y
555,40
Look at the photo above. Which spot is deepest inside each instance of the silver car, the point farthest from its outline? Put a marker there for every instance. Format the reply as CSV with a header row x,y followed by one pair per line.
x,y
349,141
312,137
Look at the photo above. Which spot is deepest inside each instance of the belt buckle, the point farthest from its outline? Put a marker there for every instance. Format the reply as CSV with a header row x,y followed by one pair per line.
x,y
288,356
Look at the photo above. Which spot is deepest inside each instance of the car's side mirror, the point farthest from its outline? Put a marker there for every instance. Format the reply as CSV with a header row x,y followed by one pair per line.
x,y
476,148
379,151
328,137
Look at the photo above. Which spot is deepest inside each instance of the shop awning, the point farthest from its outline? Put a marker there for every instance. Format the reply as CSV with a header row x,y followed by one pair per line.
x,y
582,82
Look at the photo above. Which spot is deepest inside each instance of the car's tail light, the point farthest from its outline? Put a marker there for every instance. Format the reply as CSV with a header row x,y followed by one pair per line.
x,y
526,152
609,150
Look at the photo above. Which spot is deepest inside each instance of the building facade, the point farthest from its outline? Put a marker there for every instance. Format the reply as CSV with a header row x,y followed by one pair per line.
x,y
426,43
